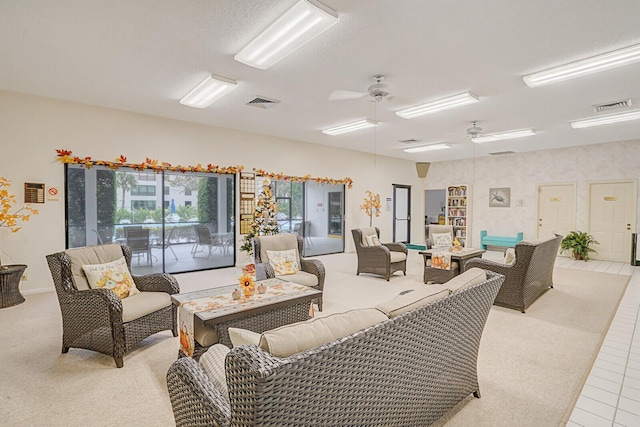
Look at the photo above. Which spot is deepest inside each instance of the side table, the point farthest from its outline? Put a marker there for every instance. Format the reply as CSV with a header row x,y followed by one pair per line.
x,y
10,276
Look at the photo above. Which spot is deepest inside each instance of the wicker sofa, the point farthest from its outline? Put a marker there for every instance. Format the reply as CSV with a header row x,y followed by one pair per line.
x,y
530,275
407,370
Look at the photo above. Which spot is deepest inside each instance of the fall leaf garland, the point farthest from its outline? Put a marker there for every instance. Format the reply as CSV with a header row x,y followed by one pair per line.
x,y
282,177
65,156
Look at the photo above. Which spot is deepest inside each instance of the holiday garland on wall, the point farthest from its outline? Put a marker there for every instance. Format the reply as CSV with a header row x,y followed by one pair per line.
x,y
65,156
282,177
264,216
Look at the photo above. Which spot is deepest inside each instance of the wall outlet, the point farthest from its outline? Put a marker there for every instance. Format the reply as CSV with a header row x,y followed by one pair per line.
x,y
24,277
519,203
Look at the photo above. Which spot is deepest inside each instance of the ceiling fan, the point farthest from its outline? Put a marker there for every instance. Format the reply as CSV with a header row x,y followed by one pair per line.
x,y
377,91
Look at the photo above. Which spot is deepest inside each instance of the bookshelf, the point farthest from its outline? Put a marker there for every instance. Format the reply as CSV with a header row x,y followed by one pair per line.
x,y
457,212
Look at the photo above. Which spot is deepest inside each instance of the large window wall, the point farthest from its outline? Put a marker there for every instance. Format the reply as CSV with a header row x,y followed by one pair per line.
x,y
174,222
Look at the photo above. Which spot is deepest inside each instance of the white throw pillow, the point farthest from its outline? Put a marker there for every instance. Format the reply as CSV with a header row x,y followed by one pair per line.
x,y
240,336
112,275
441,240
284,262
510,256
212,362
373,240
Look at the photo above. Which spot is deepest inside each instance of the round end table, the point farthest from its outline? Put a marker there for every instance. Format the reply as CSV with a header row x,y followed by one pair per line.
x,y
10,276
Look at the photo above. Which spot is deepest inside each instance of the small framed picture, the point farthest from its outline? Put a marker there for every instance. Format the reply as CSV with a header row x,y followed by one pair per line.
x,y
499,197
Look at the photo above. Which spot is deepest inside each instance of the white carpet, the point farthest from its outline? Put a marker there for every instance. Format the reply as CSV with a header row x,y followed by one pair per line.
x,y
530,365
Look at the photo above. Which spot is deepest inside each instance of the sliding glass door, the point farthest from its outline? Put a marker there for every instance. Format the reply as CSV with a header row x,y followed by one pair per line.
x,y
174,222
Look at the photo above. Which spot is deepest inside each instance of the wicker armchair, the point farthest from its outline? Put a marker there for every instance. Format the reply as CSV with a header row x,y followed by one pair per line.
x,y
311,272
383,259
528,277
96,319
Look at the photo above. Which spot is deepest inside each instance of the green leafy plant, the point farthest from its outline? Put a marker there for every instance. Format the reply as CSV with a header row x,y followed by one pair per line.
x,y
578,243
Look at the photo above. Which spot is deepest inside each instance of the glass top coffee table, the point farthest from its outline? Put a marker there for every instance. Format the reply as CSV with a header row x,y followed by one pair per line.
x,y
215,310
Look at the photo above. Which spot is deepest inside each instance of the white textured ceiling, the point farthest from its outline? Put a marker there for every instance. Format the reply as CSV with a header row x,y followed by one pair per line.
x,y
144,55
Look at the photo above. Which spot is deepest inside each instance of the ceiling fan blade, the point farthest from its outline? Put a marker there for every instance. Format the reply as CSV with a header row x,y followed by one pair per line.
x,y
338,95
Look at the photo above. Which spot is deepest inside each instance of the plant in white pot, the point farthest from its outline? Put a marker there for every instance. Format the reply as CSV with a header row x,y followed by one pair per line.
x,y
578,242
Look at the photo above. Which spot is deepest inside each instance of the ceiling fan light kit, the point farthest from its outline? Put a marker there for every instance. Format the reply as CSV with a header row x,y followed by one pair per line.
x,y
349,127
301,23
503,135
605,120
430,147
208,91
438,105
595,64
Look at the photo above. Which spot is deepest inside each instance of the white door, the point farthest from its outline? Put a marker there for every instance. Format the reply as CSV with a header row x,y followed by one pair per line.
x,y
612,213
556,209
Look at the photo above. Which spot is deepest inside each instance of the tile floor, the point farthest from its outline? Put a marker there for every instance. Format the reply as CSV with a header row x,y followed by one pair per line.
x,y
611,394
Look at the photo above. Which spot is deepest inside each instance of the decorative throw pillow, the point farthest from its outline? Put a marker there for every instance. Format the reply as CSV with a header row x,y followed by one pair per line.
x,y
441,240
240,336
373,240
212,362
284,262
441,260
112,275
509,256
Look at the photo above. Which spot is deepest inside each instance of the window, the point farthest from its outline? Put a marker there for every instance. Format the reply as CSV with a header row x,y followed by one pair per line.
x,y
143,190
187,191
143,204
166,190
101,204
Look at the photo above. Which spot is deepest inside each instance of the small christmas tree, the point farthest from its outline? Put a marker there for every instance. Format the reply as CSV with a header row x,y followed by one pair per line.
x,y
264,216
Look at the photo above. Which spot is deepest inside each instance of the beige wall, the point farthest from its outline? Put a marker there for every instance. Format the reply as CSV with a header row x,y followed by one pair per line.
x,y
31,128
524,172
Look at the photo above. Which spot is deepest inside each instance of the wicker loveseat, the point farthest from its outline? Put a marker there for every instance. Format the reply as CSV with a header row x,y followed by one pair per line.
x,y
530,275
408,370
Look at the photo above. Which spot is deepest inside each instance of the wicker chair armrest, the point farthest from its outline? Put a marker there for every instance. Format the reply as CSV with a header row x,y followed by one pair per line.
x,y
397,247
379,251
315,267
160,282
194,398
96,300
264,271
497,267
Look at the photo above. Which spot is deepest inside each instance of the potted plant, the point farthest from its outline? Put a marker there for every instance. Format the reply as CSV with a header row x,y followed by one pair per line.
x,y
578,242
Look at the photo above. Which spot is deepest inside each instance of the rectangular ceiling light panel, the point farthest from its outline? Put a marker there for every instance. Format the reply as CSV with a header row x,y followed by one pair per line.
x,y
303,22
429,147
208,91
438,105
605,120
595,64
349,127
503,135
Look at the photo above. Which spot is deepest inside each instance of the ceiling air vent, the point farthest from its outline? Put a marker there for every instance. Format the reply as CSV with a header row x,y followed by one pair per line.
x,y
262,102
410,141
612,105
500,153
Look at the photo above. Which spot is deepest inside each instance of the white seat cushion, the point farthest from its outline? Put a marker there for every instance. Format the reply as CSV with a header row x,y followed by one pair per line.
x,y
292,339
240,336
397,256
406,302
143,303
301,278
212,362
471,277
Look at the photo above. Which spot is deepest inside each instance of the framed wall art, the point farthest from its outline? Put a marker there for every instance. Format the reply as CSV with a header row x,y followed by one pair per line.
x,y
499,197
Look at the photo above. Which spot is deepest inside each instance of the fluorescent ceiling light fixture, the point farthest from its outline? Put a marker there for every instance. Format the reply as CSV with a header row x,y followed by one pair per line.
x,y
360,124
503,135
300,24
595,64
429,147
605,120
208,91
439,105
